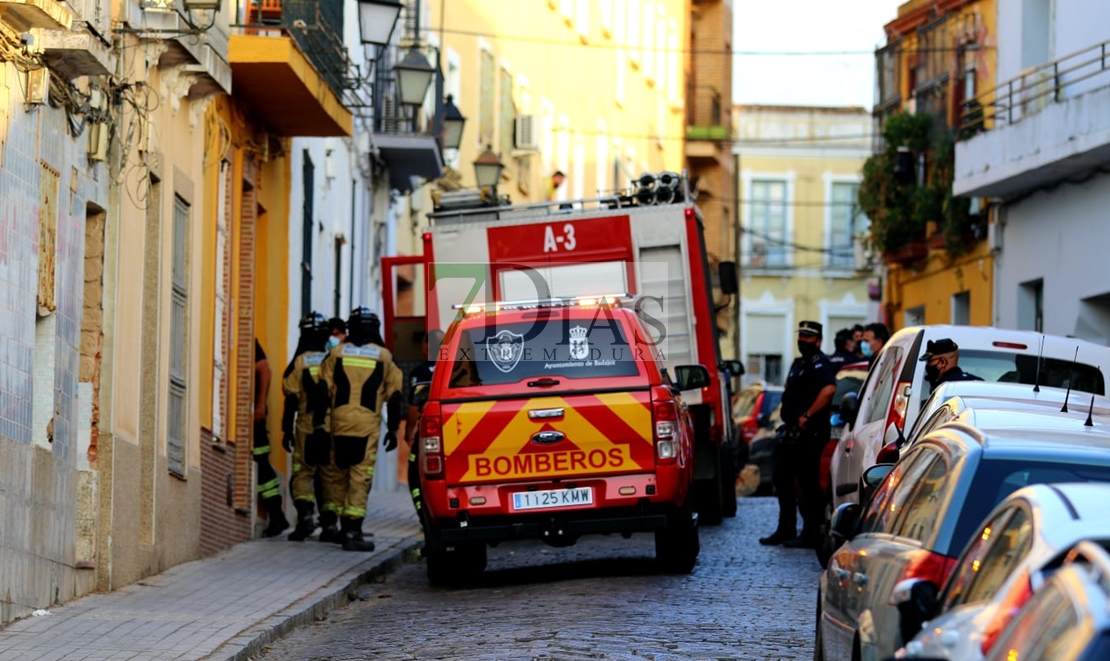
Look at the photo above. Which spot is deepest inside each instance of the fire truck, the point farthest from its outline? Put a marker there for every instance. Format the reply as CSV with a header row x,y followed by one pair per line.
x,y
647,243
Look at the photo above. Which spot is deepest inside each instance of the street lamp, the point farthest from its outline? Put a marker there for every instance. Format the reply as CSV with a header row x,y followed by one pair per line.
x,y
453,122
487,169
414,76
376,19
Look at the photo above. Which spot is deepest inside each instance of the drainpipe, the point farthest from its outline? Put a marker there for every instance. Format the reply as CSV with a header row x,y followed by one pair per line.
x,y
736,245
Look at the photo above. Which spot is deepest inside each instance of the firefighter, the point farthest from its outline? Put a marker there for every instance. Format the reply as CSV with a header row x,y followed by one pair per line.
x,y
806,411
269,484
421,374
360,379
300,384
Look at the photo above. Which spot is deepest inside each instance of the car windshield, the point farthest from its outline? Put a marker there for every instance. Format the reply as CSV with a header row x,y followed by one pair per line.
x,y
996,479
566,349
1008,367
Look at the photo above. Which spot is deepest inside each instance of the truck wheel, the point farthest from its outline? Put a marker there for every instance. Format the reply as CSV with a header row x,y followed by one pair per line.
x,y
677,547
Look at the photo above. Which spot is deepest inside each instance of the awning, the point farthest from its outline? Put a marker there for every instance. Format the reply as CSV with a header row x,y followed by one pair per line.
x,y
409,155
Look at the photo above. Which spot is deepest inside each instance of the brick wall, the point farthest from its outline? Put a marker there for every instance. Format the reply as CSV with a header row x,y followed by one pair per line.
x,y
220,524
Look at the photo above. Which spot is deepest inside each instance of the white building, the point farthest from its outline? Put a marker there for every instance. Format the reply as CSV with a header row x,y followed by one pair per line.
x,y
1045,158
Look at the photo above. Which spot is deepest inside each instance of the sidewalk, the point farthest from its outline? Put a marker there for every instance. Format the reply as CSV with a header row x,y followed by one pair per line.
x,y
225,607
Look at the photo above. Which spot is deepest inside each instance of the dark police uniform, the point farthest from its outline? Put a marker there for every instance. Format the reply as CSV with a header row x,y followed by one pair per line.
x,y
797,456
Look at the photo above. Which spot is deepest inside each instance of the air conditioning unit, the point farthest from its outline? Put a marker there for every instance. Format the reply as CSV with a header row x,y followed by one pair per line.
x,y
526,133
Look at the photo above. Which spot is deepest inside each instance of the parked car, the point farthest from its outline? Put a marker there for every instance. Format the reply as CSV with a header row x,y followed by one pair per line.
x,y
920,513
762,451
1069,618
1010,555
896,387
753,408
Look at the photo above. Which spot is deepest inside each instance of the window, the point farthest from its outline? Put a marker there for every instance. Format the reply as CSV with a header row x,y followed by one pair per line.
x,y
766,366
846,222
890,363
508,113
177,432
914,316
896,489
967,569
1030,309
486,101
925,425
924,510
961,308
1011,545
767,224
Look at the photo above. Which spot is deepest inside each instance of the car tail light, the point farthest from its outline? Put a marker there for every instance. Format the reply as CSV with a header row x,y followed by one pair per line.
x,y
1009,607
929,566
431,443
664,416
888,454
901,403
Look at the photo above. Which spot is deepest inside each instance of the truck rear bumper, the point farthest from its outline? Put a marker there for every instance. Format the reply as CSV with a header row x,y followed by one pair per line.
x,y
553,525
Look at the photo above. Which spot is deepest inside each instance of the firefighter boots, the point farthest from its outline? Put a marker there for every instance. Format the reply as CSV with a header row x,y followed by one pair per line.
x,y
329,530
278,522
306,523
353,539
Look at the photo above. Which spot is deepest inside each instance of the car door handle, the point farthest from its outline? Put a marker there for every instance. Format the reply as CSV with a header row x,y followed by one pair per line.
x,y
859,579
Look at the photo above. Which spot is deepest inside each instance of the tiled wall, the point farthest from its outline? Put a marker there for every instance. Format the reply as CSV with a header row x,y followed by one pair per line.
x,y
38,482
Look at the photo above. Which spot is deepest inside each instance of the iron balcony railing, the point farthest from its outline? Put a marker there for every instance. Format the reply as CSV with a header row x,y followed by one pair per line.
x,y
1034,89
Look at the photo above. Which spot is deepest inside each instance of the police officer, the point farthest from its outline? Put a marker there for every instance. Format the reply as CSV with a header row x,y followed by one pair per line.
x,y
845,348
360,379
806,401
942,363
300,384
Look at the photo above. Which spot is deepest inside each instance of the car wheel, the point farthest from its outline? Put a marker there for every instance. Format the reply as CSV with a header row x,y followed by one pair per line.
x,y
709,503
677,546
728,484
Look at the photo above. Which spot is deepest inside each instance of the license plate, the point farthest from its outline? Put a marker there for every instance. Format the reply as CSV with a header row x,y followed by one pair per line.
x,y
538,500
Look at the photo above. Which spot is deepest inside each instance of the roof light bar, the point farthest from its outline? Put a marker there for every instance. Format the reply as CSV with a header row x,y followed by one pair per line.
x,y
579,301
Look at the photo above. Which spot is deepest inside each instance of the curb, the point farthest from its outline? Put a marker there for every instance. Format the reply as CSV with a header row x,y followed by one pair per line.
x,y
251,641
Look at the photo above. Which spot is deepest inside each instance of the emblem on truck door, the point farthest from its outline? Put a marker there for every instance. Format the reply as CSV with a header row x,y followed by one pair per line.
x,y
505,350
547,437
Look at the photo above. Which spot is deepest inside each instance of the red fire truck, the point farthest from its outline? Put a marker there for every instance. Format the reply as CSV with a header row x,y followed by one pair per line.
x,y
648,244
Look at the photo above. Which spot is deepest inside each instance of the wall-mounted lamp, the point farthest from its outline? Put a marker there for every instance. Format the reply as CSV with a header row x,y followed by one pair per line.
x,y
487,169
453,122
414,77
376,19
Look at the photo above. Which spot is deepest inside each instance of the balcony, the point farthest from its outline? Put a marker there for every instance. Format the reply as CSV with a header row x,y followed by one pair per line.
x,y
290,64
1044,126
22,15
204,57
403,135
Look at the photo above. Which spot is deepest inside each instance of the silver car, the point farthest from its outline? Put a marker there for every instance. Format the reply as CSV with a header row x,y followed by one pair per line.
x,y
1021,542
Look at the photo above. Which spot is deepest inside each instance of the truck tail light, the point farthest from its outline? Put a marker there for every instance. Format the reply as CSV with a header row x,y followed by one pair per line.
x,y
664,417
431,444
1009,607
901,403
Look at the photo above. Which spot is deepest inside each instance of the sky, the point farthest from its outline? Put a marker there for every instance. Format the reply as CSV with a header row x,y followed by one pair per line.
x,y
775,26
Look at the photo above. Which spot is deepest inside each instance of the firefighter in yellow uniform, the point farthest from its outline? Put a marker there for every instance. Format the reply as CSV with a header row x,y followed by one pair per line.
x,y
360,378
311,453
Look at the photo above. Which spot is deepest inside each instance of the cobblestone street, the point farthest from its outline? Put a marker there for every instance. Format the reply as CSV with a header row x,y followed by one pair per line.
x,y
600,599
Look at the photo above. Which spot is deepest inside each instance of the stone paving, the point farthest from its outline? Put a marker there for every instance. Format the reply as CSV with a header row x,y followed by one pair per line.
x,y
223,607
600,599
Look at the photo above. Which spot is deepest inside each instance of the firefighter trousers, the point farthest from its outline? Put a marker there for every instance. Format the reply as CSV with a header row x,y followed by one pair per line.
x,y
414,484
347,480
302,485
269,484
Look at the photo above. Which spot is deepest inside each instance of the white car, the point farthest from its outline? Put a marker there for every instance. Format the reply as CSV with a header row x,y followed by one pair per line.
x,y
1020,543
896,387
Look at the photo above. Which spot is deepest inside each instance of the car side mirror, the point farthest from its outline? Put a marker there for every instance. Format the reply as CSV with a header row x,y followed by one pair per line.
x,y
844,522
726,276
420,392
691,377
872,479
849,408
917,602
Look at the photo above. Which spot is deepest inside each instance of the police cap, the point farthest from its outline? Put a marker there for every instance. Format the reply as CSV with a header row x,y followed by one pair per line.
x,y
938,348
810,328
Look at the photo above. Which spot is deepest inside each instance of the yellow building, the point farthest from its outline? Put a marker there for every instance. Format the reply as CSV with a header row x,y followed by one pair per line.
x,y
801,256
938,56
593,89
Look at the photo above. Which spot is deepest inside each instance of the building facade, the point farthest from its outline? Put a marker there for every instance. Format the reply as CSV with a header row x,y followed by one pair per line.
x,y
938,54
802,253
1043,154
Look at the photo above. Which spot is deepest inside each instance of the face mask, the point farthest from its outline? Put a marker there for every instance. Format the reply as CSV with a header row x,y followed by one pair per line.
x,y
807,349
865,347
932,373
333,342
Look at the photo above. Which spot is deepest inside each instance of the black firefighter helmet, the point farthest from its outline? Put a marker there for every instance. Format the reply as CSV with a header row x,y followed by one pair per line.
x,y
363,322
